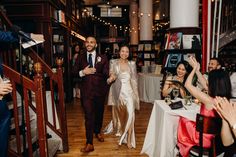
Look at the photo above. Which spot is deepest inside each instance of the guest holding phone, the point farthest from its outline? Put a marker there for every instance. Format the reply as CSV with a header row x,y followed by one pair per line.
x,y
181,75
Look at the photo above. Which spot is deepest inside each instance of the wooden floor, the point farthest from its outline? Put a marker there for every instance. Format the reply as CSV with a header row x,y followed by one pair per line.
x,y
109,148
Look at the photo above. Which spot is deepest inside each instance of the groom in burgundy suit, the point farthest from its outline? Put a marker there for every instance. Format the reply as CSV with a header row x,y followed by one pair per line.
x,y
93,68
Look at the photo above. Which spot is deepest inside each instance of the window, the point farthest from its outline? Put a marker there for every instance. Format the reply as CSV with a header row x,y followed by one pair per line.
x,y
111,12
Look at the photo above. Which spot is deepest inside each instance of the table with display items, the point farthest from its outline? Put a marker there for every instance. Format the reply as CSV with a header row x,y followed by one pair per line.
x,y
161,135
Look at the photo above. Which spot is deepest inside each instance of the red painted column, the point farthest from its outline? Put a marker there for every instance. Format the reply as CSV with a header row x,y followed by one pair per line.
x,y
204,33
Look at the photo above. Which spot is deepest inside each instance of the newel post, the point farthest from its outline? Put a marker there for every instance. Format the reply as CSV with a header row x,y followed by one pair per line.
x,y
40,110
59,63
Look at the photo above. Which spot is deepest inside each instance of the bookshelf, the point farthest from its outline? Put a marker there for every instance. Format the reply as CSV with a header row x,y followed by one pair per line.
x,y
146,54
180,43
55,19
58,43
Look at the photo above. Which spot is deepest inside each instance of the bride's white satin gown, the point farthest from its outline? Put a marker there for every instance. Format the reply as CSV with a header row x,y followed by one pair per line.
x,y
124,113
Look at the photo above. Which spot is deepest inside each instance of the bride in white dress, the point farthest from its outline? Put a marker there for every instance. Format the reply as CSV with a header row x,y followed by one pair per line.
x,y
123,96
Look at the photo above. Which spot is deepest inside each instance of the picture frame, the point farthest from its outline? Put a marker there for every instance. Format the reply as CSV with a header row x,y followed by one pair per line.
x,y
147,47
140,47
191,41
172,60
174,40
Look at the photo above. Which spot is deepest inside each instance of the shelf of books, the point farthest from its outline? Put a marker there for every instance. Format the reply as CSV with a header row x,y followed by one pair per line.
x,y
146,54
180,43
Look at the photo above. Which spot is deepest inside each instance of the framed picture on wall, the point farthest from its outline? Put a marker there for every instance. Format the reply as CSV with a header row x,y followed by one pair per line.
x,y
172,60
192,41
147,47
174,40
140,47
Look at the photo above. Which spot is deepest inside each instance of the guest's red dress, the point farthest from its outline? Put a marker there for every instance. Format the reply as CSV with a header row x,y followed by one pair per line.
x,y
187,134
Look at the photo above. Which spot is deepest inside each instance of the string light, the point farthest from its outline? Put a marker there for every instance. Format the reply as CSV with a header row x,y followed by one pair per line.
x,y
145,14
104,22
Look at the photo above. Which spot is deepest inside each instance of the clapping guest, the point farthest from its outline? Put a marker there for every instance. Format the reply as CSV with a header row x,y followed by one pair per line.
x,y
181,76
214,64
227,111
123,97
218,85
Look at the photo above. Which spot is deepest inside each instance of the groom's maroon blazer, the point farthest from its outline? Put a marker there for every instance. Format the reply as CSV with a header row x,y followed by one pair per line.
x,y
93,85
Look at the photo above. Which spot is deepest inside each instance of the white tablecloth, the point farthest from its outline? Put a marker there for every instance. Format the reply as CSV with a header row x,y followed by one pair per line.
x,y
149,87
161,135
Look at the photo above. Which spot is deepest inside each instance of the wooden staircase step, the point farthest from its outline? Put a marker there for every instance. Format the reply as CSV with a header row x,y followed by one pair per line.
x,y
53,146
10,103
12,140
32,121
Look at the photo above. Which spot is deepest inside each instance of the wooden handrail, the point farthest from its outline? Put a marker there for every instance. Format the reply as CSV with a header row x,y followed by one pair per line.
x,y
56,82
16,77
30,52
36,87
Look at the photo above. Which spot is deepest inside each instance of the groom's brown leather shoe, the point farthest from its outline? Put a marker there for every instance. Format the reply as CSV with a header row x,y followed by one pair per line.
x,y
88,148
100,137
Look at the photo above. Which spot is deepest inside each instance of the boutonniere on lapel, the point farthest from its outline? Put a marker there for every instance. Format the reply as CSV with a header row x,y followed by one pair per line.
x,y
99,59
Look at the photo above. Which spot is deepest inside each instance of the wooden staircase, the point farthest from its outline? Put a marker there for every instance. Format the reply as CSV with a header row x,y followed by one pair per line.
x,y
38,124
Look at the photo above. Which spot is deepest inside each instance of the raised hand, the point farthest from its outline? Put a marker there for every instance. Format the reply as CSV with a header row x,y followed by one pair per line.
x,y
193,62
88,71
225,109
